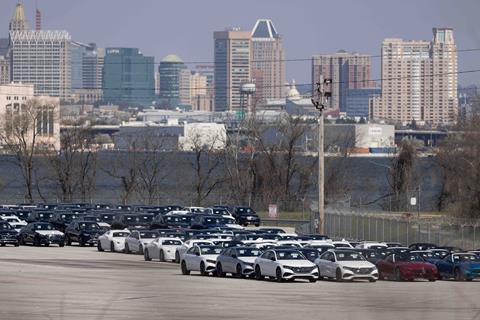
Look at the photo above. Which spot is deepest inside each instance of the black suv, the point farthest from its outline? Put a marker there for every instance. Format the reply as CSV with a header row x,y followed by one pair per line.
x,y
38,233
62,219
246,216
8,235
82,232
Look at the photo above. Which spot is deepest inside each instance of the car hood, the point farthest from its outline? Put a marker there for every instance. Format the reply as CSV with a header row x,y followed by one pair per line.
x,y
248,259
210,256
356,264
296,263
49,232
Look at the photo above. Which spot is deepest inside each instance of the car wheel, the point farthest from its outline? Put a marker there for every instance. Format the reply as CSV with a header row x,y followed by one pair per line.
x,y
258,273
3,244
312,280
185,271
320,277
47,244
432,279
279,276
458,274
68,241
146,256
17,244
140,249
127,248
239,273
338,275
61,244
372,280
81,243
161,256
22,241
99,246
257,224
36,242
177,257
203,271
398,275
219,270
112,247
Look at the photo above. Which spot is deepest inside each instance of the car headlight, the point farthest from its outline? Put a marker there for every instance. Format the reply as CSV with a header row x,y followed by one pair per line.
x,y
249,264
211,261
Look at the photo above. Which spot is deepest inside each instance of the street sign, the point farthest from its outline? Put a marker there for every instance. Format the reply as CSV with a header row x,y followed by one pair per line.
x,y
413,201
273,211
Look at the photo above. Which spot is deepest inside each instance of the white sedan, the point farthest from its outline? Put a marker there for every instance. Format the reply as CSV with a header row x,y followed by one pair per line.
x,y
200,258
187,245
15,222
138,240
162,249
285,264
371,245
345,265
113,240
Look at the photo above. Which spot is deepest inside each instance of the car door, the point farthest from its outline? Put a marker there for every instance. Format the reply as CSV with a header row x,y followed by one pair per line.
x,y
231,260
136,241
388,265
329,265
154,249
30,234
263,260
271,264
447,266
106,239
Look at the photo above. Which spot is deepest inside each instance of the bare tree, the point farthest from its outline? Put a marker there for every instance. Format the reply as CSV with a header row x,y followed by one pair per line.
x,y
28,128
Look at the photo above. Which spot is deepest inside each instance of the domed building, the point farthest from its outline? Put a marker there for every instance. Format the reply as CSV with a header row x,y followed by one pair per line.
x,y
169,69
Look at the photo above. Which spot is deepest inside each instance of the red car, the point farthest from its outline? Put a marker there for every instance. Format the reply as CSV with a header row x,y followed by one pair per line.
x,y
406,266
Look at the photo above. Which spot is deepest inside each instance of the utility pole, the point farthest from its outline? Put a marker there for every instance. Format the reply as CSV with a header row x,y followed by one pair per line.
x,y
320,100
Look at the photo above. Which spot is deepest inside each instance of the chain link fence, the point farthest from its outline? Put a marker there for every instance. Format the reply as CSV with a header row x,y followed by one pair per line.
x,y
405,228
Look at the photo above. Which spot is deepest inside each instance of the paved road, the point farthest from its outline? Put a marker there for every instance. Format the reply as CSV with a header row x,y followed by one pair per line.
x,y
81,283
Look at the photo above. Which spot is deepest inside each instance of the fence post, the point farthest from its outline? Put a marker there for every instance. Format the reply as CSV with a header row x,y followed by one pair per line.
x,y
474,238
408,227
383,229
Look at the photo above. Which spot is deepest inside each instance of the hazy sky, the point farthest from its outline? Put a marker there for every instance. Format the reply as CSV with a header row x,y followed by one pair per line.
x,y
185,27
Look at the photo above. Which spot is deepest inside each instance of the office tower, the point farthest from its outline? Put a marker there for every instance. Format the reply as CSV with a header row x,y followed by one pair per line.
x,y
419,80
42,58
346,70
358,101
205,103
4,70
184,87
86,72
19,21
268,62
38,20
169,69
128,77
157,83
232,68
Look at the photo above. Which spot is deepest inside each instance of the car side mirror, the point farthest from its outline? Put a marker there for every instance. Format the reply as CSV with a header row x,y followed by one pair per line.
x,y
272,258
197,254
234,256
332,259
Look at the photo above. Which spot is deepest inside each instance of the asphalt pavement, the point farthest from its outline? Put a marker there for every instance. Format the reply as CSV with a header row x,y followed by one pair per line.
x,y
81,283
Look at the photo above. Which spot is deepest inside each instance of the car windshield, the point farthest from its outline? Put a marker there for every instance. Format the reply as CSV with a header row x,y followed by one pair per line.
x,y
290,255
220,211
212,221
245,211
171,243
210,250
349,256
310,253
93,219
120,234
466,258
148,235
413,257
341,245
89,226
250,252
108,217
427,255
440,254
371,254
44,227
5,226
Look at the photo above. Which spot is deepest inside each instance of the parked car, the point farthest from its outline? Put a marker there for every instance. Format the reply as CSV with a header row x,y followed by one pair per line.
x,y
310,253
344,264
15,222
393,244
342,244
162,249
422,246
133,221
113,240
459,266
406,266
62,219
321,248
8,235
285,264
138,240
187,245
40,216
451,249
371,255
96,219
38,233
246,216
371,245
200,258
237,261
83,233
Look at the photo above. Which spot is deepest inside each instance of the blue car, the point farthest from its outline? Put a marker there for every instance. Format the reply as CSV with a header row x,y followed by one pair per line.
x,y
459,266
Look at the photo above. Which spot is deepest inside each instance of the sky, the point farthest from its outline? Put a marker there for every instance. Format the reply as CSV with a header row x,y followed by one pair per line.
x,y
185,27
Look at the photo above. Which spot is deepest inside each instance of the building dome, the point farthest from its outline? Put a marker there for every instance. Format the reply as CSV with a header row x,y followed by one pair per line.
x,y
172,58
293,93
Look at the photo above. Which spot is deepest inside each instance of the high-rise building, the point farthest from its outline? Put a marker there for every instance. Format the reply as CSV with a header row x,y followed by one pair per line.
x,y
157,83
4,70
169,69
38,20
232,68
86,72
184,87
346,70
42,58
358,101
19,21
268,61
128,77
419,80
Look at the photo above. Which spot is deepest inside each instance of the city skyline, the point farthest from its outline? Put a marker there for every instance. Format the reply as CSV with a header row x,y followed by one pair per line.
x,y
365,37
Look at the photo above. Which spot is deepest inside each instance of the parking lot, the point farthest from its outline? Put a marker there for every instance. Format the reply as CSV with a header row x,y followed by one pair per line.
x,y
81,283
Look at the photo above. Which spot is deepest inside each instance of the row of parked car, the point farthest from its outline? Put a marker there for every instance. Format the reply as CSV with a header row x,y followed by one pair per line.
x,y
83,223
